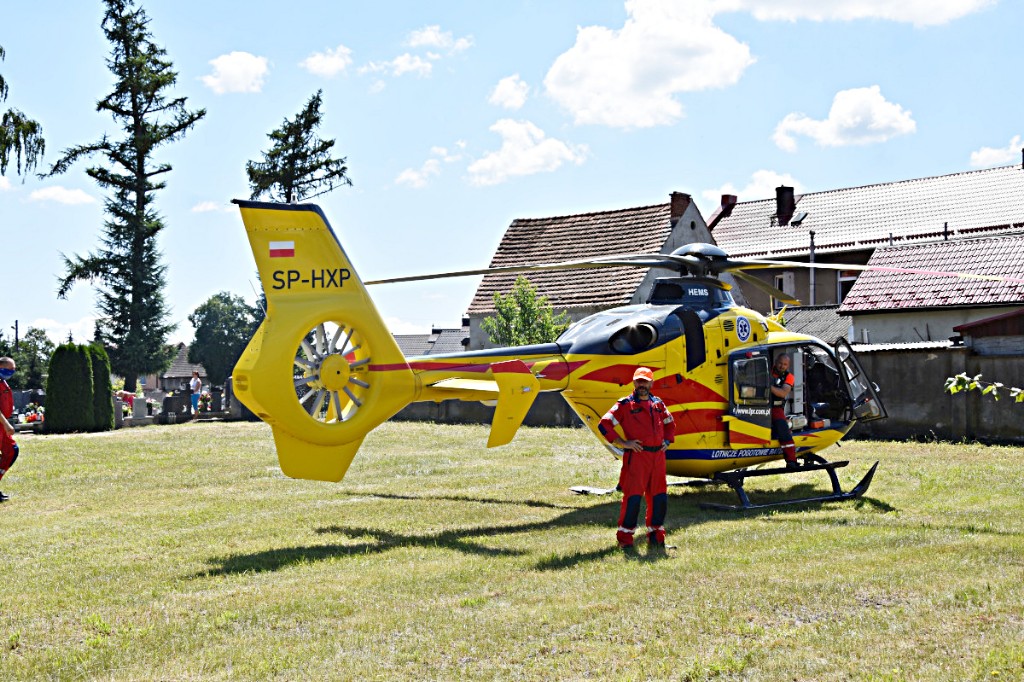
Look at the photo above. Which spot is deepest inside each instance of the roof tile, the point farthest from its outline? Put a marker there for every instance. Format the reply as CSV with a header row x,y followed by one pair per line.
x,y
970,203
994,256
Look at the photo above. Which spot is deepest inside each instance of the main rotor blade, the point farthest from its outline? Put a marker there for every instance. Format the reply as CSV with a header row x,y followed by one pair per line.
x,y
640,260
777,294
881,268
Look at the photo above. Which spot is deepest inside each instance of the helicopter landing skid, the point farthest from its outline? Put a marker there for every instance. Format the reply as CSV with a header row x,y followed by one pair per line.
x,y
811,463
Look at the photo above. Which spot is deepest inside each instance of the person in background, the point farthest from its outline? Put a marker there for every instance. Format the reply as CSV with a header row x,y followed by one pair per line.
x,y
195,386
8,448
649,429
782,385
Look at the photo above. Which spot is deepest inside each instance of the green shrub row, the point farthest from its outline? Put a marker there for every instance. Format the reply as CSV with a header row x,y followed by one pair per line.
x,y
79,395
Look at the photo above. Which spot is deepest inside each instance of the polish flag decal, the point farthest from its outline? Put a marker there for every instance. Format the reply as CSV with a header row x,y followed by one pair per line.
x,y
282,249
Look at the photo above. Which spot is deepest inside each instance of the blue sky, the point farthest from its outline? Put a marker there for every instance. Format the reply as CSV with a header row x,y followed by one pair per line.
x,y
458,117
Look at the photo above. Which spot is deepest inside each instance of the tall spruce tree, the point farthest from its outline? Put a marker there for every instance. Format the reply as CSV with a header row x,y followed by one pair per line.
x,y
134,325
19,135
298,165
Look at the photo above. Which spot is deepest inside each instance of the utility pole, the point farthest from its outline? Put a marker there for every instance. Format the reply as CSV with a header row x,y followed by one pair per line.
x,y
812,267
15,328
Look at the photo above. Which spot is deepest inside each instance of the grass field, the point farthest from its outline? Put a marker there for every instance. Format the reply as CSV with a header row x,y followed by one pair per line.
x,y
181,553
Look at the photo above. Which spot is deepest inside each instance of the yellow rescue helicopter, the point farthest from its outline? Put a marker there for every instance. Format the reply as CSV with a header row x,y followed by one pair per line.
x,y
323,370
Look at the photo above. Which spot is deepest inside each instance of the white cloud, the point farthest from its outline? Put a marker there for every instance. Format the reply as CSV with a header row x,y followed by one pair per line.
x,y
987,157
917,12
858,116
329,62
210,206
417,178
61,195
5,184
510,92
433,36
525,150
237,72
402,64
82,331
761,186
629,77
397,325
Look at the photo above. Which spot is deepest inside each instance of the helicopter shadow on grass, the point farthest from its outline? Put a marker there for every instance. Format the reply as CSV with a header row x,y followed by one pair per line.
x,y
683,512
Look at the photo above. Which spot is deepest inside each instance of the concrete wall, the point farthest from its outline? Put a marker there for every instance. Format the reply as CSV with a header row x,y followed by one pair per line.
x,y
912,385
918,325
549,409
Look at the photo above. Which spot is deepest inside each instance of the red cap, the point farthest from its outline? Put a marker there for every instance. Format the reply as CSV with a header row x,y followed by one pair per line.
x,y
643,373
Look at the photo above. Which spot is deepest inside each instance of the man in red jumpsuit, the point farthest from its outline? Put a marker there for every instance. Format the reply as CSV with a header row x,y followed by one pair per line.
x,y
648,428
782,385
8,448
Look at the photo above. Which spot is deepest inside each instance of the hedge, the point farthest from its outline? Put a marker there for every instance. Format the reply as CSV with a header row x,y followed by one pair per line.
x,y
69,390
102,389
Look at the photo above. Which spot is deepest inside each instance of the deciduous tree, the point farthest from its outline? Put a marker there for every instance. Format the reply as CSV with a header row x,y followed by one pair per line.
x,y
32,357
298,164
133,326
522,317
223,325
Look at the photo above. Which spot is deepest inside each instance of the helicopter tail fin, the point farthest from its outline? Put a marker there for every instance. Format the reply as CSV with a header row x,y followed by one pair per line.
x,y
322,369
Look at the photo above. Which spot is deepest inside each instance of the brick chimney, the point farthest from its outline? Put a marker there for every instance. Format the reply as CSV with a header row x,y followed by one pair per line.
x,y
723,211
680,202
785,204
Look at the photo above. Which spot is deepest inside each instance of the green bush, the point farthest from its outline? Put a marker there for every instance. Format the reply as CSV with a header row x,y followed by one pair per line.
x,y
69,390
102,389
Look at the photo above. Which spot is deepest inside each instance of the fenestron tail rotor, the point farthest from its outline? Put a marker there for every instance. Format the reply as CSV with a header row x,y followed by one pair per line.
x,y
330,372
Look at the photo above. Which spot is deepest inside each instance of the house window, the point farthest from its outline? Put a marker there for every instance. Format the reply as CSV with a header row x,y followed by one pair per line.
x,y
844,282
784,282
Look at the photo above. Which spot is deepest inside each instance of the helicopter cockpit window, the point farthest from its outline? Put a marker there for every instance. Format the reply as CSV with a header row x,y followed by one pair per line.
x,y
750,381
692,294
634,338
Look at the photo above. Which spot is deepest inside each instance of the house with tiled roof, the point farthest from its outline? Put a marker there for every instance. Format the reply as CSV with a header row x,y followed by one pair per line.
x,y
848,225
996,335
659,228
437,341
912,279
178,374
821,321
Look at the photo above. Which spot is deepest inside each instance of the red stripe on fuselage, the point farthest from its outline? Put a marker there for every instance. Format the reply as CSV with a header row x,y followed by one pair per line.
x,y
737,438
616,374
699,421
689,391
389,368
430,366
556,371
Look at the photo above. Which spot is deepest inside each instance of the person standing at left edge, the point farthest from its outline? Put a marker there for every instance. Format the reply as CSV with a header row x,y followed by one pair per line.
x,y
648,428
8,448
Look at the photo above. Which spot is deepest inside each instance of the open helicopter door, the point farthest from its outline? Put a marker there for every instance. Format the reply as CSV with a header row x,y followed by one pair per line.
x,y
865,402
749,421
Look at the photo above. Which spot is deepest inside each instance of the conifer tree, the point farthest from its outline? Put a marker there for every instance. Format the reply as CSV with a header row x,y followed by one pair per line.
x,y
133,326
298,165
20,136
